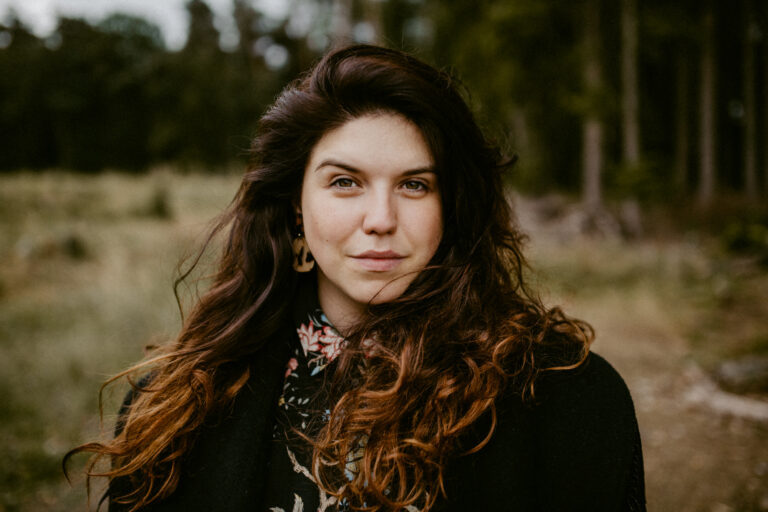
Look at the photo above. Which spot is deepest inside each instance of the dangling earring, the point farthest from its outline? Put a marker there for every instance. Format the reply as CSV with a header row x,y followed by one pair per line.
x,y
302,258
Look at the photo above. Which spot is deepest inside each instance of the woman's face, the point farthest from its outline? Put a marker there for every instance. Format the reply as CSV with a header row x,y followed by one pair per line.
x,y
371,210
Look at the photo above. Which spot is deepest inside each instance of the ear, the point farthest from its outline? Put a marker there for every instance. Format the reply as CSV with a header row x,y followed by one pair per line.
x,y
298,217
296,205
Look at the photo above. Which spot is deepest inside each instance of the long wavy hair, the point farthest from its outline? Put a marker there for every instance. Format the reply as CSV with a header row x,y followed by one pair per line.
x,y
418,371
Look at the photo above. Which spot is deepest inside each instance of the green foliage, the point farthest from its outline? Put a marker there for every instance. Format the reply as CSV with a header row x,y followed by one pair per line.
x,y
747,237
203,36
646,182
110,95
521,61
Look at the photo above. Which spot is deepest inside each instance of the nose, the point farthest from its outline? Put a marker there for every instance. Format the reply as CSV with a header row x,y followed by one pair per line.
x,y
380,215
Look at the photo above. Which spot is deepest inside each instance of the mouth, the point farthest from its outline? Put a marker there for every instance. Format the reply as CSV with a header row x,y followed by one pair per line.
x,y
378,261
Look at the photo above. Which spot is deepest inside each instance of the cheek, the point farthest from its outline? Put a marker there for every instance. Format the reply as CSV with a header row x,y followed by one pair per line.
x,y
431,228
325,226
436,238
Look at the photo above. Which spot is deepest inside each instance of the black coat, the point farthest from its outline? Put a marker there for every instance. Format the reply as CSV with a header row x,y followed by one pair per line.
x,y
575,447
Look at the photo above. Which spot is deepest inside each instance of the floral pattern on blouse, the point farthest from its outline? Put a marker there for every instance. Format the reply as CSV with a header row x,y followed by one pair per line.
x,y
319,344
303,407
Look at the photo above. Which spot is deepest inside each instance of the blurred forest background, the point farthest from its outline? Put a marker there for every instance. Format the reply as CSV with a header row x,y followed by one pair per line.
x,y
642,132
648,99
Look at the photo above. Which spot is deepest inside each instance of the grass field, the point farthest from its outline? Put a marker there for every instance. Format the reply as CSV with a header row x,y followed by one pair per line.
x,y
86,283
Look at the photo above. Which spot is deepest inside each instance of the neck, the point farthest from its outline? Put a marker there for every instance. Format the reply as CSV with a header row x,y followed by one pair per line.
x,y
341,311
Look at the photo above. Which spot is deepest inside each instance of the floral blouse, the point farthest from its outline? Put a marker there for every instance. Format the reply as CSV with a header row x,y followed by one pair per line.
x,y
302,406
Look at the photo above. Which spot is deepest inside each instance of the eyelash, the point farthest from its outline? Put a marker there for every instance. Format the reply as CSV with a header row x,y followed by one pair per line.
x,y
421,186
338,182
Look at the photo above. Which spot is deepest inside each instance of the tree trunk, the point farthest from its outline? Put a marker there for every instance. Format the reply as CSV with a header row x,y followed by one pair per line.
x,y
630,97
592,125
682,125
750,104
708,129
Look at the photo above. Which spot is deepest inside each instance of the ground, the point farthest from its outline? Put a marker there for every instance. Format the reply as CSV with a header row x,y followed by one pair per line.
x,y
86,284
704,449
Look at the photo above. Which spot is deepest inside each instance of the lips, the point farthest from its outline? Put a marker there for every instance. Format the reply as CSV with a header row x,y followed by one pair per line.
x,y
378,261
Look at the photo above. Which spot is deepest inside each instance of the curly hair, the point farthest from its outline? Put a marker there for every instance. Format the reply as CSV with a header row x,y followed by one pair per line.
x,y
418,371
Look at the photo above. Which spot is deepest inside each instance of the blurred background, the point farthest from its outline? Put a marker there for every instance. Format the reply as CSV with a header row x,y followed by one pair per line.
x,y
641,128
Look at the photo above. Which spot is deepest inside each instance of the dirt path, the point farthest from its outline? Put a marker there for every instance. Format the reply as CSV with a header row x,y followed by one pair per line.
x,y
704,449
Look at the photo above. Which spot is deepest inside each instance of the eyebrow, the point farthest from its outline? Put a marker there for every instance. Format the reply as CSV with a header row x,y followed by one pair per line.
x,y
349,168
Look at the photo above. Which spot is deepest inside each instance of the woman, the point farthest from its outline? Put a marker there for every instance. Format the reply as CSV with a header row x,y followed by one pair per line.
x,y
367,341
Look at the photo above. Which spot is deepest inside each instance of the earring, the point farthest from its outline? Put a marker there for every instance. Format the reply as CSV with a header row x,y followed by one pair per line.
x,y
302,258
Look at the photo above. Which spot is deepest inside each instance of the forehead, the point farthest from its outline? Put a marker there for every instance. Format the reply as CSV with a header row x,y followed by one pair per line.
x,y
381,139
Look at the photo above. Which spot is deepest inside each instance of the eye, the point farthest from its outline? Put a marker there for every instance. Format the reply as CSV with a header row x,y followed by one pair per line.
x,y
343,183
415,186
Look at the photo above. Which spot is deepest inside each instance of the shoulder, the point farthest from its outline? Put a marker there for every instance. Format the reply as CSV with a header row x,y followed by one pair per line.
x,y
589,405
130,396
575,446
592,386
593,391
588,440
585,413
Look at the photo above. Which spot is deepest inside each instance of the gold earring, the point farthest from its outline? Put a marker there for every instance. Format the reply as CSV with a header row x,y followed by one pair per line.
x,y
302,257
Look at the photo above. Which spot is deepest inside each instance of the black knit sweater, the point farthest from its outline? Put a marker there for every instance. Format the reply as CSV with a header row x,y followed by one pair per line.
x,y
575,447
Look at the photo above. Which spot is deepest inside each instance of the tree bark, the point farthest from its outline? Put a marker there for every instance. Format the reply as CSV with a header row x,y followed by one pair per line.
x,y
630,97
682,125
592,124
708,129
750,104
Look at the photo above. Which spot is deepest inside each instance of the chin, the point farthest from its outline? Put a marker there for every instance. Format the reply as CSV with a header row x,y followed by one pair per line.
x,y
387,292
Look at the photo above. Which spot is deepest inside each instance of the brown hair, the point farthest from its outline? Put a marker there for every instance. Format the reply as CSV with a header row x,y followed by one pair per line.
x,y
464,331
